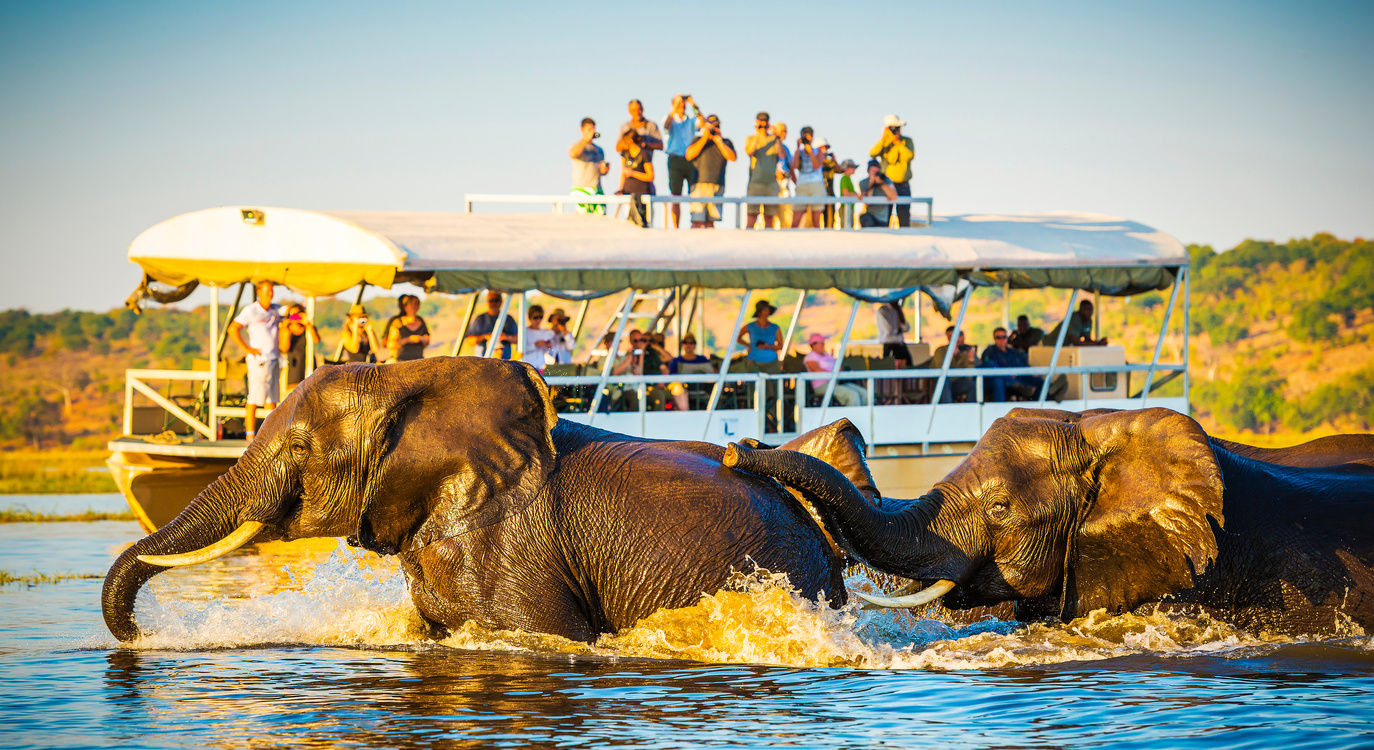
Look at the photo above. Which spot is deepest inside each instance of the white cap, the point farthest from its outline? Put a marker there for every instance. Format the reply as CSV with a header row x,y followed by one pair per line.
x,y
891,121
821,142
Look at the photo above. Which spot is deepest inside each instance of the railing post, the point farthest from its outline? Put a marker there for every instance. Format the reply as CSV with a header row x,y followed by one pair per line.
x,y
310,339
949,358
1187,272
611,351
1058,347
467,321
839,360
498,327
725,361
212,393
128,403
1159,345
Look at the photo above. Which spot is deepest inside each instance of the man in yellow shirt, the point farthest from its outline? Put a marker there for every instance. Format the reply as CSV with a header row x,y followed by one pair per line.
x,y
895,152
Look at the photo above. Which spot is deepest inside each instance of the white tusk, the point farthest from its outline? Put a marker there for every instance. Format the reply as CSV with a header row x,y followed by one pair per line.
x,y
925,596
238,538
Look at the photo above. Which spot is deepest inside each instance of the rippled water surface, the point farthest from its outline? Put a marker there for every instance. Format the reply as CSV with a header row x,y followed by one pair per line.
x,y
321,647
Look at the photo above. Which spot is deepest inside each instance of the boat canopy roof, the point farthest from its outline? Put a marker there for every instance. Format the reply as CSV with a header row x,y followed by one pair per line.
x,y
326,252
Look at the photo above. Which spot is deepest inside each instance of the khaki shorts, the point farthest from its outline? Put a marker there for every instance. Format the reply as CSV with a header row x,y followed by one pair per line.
x,y
810,190
769,189
700,210
264,380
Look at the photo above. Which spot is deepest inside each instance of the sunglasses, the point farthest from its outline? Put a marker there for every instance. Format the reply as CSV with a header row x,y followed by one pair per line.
x,y
536,317
1000,336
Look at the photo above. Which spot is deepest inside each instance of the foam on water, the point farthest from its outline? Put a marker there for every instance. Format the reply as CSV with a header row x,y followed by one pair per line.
x,y
350,597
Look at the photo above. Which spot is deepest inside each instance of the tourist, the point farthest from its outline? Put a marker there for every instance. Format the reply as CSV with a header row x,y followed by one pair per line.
x,y
764,337
876,215
1080,331
895,151
689,362
687,355
588,165
818,361
636,176
1025,336
892,329
709,154
538,340
294,344
480,330
650,135
560,353
764,149
956,389
262,319
828,169
359,340
786,177
408,334
808,162
1002,354
682,130
846,169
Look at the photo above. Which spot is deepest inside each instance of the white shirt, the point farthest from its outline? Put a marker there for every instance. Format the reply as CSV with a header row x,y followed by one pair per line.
x,y
890,325
533,354
261,329
561,353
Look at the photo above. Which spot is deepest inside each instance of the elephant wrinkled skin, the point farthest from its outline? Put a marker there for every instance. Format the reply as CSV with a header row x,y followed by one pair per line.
x,y
1111,510
499,512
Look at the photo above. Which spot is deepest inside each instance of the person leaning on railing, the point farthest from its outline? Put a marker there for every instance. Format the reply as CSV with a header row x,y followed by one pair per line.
x,y
1080,328
876,216
1025,336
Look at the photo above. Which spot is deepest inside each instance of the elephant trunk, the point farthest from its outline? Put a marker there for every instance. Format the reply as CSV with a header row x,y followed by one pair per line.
x,y
212,517
898,540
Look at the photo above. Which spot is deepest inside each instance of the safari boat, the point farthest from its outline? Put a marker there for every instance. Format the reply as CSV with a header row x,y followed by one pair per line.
x,y
663,277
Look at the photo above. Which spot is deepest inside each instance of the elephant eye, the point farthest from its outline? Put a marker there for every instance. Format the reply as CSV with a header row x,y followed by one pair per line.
x,y
999,509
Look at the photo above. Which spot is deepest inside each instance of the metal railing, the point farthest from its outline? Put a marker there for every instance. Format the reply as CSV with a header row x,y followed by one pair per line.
x,y
133,382
558,202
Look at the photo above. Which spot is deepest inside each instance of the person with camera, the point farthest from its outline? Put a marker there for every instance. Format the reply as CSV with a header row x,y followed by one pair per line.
x,y
808,162
682,130
650,136
294,332
876,216
359,340
895,152
588,165
708,154
636,175
764,149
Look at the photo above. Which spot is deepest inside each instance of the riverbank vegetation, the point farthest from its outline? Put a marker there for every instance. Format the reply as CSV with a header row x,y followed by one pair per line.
x,y
35,578
55,471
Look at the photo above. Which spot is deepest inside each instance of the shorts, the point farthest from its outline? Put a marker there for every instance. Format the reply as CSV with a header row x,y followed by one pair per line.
x,y
769,189
590,208
810,190
264,380
680,171
699,210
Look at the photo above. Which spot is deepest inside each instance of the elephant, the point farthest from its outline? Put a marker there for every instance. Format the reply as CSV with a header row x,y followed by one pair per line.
x,y
1331,450
499,511
1113,511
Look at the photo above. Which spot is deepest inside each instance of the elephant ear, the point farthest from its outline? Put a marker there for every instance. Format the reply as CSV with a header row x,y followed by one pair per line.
x,y
1155,481
841,445
479,437
1058,415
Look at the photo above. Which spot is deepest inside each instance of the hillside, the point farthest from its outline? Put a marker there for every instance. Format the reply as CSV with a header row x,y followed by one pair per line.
x,y
1280,345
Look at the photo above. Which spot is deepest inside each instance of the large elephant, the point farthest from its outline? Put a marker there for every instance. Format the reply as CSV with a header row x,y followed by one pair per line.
x,y
1112,511
499,512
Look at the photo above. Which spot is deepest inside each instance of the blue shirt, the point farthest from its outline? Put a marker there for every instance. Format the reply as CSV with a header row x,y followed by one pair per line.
x,y
485,323
769,334
698,360
1012,357
680,135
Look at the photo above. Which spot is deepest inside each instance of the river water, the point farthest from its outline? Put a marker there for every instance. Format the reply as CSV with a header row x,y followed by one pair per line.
x,y
322,648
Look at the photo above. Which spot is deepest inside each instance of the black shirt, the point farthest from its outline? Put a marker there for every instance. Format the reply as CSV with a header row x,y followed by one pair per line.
x,y
634,186
710,163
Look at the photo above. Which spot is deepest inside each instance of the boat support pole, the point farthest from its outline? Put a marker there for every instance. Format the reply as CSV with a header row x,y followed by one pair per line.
x,y
950,349
1058,347
839,360
725,361
581,316
211,390
786,347
1159,345
1187,279
498,327
467,321
611,351
520,325
338,353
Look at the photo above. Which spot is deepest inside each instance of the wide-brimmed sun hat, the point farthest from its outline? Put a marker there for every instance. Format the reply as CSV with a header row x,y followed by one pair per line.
x,y
357,310
758,307
891,121
558,315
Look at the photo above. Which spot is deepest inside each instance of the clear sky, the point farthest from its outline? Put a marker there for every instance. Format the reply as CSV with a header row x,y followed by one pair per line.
x,y
1211,121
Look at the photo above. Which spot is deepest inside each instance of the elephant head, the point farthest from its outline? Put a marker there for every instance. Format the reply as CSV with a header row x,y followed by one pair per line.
x,y
375,453
1063,517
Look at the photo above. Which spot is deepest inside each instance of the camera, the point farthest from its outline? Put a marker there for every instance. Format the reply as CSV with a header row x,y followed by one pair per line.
x,y
596,135
894,129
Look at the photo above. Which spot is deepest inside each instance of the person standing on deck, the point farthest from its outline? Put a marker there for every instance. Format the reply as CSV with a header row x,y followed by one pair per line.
x,y
808,162
294,345
708,154
786,177
588,166
764,336
892,329
482,326
895,152
764,149
650,136
262,320
682,130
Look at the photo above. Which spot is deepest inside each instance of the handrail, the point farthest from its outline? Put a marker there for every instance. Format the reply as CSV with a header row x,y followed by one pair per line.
x,y
560,200
916,374
133,382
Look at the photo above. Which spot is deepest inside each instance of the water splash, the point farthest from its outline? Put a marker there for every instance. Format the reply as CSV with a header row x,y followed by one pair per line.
x,y
351,597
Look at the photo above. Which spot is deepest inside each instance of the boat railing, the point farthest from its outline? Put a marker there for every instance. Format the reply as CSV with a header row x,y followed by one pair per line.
x,y
559,202
134,382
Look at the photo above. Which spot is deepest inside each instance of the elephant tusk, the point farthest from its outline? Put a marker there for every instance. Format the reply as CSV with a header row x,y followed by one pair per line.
x,y
238,538
925,596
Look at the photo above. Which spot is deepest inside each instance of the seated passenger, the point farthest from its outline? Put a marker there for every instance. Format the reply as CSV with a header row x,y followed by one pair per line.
x,y
689,362
956,389
817,360
563,343
1000,354
538,340
1024,337
1080,329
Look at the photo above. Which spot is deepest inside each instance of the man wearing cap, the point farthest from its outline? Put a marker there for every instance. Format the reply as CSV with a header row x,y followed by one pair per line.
x,y
876,216
764,149
894,152
818,361
847,168
808,162
682,130
708,154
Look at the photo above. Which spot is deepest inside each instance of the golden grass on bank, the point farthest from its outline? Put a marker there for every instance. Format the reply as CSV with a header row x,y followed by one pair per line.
x,y
50,472
35,578
22,515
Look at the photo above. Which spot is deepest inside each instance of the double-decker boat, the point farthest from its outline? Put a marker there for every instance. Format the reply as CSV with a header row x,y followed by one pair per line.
x,y
664,276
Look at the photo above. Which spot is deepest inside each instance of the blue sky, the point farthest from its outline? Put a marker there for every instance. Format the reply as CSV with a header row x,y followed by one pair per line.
x,y
1211,121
